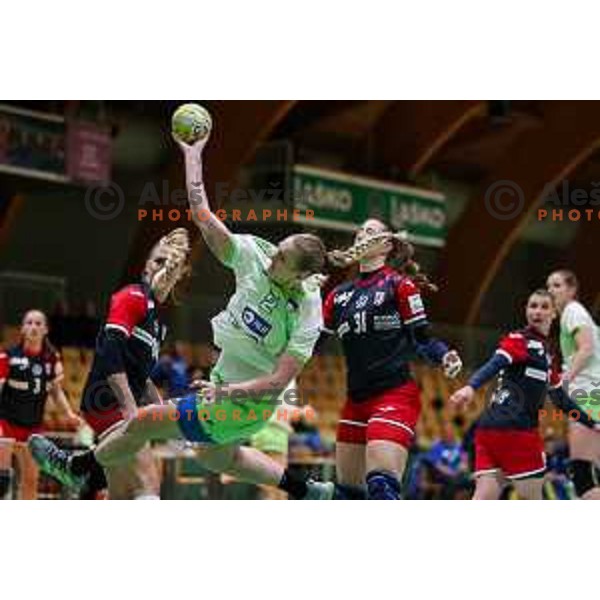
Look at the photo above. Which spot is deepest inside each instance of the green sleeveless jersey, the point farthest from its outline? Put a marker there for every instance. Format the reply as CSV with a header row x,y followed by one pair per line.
x,y
263,321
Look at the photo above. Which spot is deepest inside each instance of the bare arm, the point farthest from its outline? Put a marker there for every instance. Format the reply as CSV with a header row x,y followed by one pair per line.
x,y
151,393
287,368
120,386
215,233
57,396
585,348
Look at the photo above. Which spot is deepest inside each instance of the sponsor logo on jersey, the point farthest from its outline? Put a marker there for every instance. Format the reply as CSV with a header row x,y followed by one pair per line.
x,y
379,298
343,329
416,303
37,370
387,322
362,301
500,396
19,361
255,323
343,299
536,374
537,346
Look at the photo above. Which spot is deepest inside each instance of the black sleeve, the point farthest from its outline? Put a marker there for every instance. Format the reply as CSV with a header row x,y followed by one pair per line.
x,y
560,398
488,371
426,346
112,351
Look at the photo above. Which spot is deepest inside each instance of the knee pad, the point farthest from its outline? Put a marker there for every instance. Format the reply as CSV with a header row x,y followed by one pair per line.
x,y
584,476
382,485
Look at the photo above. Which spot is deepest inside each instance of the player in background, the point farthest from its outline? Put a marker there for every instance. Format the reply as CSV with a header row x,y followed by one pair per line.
x,y
30,373
580,347
381,321
266,335
508,444
119,381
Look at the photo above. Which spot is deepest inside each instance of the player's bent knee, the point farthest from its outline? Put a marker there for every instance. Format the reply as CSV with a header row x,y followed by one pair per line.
x,y
584,476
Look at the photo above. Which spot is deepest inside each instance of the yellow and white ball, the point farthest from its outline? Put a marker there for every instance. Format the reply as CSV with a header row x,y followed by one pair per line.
x,y
191,123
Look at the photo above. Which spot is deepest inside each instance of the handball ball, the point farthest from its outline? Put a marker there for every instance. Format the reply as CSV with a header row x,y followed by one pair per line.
x,y
191,123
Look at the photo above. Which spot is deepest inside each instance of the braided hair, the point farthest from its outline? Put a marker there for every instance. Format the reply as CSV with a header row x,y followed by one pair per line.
x,y
400,258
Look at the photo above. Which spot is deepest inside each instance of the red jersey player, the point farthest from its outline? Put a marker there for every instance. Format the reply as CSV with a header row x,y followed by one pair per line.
x,y
508,445
30,372
381,321
119,381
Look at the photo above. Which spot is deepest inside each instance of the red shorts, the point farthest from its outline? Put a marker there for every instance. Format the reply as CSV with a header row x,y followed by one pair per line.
x,y
517,453
16,432
391,415
101,421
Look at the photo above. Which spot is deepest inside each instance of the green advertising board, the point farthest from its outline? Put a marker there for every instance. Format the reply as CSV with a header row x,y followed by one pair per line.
x,y
335,200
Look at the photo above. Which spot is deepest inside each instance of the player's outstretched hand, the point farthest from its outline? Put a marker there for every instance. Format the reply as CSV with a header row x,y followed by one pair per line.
x,y
452,364
462,397
193,149
206,389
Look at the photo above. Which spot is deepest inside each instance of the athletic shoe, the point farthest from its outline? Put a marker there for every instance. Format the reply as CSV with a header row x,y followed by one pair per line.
x,y
319,490
54,462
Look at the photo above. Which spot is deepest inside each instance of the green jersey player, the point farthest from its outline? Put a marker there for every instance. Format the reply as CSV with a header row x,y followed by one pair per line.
x,y
266,334
580,346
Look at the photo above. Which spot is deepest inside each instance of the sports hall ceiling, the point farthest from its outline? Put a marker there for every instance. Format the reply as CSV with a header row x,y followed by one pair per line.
x,y
531,143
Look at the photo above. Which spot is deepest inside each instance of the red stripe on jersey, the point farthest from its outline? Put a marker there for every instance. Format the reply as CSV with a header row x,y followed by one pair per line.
x,y
128,308
4,366
515,345
555,376
328,308
410,303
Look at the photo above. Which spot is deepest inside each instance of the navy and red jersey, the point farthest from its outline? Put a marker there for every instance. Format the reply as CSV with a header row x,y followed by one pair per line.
x,y
372,315
129,342
522,383
26,379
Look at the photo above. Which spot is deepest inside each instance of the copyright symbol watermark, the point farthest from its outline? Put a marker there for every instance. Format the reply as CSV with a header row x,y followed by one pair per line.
x,y
504,200
104,202
101,402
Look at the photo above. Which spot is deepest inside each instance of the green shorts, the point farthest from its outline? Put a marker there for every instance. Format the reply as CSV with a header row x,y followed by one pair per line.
x,y
226,421
272,438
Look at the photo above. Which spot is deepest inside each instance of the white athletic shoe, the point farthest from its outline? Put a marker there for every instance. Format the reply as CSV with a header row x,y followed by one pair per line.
x,y
319,490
